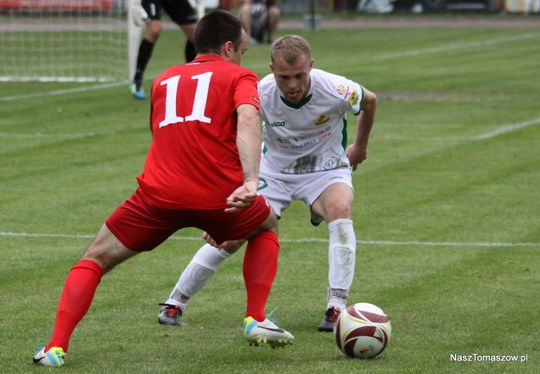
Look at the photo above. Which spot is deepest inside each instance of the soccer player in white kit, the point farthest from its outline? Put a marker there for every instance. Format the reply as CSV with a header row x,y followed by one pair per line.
x,y
305,157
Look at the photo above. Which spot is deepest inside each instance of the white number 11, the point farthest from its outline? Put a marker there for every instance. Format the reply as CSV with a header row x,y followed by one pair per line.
x,y
199,102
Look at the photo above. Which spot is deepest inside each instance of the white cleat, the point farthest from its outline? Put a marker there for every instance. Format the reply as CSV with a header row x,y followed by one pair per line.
x,y
266,332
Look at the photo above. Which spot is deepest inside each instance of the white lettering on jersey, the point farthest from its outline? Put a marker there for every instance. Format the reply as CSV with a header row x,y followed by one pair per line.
x,y
199,102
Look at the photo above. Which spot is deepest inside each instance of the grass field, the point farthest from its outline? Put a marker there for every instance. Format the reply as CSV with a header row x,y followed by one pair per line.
x,y
447,214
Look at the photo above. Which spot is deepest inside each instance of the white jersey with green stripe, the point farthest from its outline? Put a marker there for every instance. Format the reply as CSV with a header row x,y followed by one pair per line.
x,y
309,136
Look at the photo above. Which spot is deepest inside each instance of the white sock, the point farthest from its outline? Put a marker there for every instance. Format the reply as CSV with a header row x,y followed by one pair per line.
x,y
341,261
337,298
203,265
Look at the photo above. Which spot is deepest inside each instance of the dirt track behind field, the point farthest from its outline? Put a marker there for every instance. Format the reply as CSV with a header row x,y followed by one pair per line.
x,y
325,22
427,21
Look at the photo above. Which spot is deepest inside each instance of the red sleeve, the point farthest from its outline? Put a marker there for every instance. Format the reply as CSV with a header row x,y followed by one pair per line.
x,y
247,90
151,109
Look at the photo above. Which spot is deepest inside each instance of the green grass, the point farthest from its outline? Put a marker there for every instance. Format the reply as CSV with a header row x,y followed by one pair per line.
x,y
448,217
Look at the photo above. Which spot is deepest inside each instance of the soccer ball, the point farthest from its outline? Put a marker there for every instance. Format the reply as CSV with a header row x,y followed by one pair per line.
x,y
362,330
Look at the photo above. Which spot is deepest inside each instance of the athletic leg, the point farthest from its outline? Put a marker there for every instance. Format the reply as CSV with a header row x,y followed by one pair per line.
x,y
82,281
259,270
189,50
334,205
201,268
153,31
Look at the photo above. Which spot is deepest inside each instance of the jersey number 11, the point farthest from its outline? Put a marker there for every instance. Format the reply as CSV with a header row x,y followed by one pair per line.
x,y
199,102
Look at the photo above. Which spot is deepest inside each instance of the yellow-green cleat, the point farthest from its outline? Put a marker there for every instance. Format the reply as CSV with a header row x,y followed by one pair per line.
x,y
54,357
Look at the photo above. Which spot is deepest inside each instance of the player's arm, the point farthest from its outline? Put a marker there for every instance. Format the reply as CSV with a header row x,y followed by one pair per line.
x,y
248,142
357,152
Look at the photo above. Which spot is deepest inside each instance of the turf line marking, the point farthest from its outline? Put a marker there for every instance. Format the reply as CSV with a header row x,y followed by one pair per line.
x,y
61,92
300,240
507,128
51,136
445,48
482,136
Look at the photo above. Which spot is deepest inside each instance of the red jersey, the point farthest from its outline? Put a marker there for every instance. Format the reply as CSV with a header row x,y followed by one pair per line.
x,y
193,161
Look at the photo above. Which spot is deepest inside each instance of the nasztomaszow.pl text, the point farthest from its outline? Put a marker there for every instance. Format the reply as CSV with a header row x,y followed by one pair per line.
x,y
475,357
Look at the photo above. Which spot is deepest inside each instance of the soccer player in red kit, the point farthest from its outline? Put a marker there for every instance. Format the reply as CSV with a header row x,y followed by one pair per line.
x,y
202,170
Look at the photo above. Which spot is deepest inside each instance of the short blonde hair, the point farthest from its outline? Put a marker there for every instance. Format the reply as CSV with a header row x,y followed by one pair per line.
x,y
290,48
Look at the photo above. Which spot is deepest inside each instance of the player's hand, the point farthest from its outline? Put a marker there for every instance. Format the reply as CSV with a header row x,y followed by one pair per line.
x,y
356,155
138,14
230,246
206,236
242,197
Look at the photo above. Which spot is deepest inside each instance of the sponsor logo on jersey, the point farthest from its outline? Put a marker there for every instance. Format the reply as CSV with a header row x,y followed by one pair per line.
x,y
277,124
322,119
353,99
262,184
350,95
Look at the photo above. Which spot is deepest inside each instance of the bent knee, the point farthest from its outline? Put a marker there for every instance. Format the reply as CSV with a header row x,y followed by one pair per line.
x,y
339,210
153,31
106,250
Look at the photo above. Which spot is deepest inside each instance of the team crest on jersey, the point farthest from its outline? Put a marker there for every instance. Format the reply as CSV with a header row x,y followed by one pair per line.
x,y
342,90
322,119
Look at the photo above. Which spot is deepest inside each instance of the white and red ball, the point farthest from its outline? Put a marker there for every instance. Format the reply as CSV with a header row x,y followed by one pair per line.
x,y
362,330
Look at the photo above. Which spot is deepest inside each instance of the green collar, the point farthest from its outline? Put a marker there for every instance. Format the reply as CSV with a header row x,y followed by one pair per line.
x,y
298,105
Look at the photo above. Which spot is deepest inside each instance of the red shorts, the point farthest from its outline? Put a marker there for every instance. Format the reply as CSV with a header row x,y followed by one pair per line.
x,y
142,227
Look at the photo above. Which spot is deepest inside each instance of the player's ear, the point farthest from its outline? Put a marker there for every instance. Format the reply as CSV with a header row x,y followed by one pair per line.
x,y
311,63
271,67
227,49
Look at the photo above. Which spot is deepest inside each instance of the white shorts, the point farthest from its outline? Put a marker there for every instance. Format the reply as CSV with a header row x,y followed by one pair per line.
x,y
280,189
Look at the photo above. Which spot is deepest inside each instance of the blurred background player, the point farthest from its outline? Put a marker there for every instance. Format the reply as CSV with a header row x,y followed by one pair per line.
x,y
260,19
148,13
204,127
304,113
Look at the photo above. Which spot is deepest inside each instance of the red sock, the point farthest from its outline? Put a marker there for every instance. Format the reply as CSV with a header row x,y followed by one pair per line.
x,y
260,267
78,293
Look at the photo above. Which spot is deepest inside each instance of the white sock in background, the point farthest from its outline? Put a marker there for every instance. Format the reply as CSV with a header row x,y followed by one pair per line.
x,y
341,261
203,265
